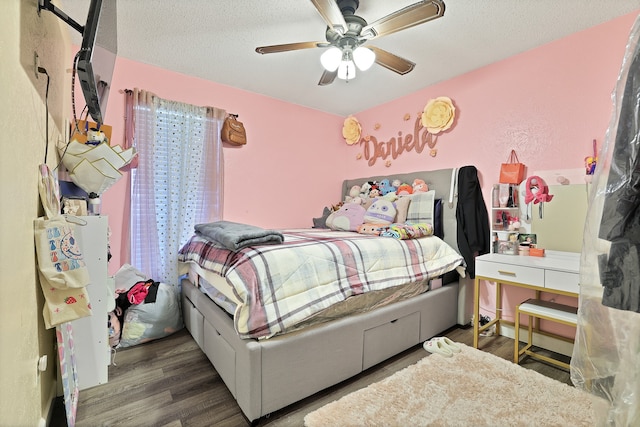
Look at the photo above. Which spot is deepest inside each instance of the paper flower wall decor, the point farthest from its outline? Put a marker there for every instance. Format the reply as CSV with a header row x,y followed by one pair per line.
x,y
438,115
351,130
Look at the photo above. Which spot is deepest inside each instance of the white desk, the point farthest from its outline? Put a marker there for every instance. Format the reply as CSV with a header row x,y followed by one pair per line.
x,y
557,272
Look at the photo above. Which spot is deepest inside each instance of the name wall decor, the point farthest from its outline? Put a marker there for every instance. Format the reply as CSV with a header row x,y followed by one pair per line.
x,y
438,116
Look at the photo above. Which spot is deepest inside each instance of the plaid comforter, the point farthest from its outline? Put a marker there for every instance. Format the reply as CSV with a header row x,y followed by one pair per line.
x,y
281,285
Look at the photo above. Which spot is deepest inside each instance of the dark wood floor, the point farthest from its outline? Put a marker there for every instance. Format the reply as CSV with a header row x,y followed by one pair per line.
x,y
170,382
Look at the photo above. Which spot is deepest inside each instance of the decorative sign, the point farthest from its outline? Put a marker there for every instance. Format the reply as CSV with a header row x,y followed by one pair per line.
x,y
438,116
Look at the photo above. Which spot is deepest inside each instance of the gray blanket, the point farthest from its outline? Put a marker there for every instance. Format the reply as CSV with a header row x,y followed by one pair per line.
x,y
234,236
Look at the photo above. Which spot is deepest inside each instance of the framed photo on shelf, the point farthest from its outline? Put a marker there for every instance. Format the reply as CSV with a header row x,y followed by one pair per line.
x,y
528,238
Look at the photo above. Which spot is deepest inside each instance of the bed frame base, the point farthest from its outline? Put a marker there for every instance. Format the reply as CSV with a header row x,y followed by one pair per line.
x,y
268,375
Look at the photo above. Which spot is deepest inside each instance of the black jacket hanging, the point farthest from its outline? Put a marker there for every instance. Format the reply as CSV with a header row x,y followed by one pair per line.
x,y
472,217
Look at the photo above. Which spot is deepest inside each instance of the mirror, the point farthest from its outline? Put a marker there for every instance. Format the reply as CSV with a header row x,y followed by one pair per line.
x,y
561,226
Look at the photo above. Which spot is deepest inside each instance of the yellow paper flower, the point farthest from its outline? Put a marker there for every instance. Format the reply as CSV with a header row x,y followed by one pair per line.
x,y
351,130
438,114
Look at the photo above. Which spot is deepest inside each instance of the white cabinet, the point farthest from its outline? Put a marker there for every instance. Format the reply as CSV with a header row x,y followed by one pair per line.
x,y
91,334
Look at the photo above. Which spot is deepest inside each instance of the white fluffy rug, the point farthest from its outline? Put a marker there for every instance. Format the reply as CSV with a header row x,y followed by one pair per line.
x,y
471,388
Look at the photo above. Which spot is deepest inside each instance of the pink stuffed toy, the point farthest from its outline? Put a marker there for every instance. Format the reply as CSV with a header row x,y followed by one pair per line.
x,y
537,191
371,229
419,186
404,190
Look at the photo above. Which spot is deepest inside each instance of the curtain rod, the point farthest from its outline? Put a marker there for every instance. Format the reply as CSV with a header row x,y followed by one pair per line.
x,y
123,91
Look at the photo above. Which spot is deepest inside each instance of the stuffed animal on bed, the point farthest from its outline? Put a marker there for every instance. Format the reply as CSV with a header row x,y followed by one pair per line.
x,y
419,186
382,211
386,187
404,190
347,218
407,231
371,229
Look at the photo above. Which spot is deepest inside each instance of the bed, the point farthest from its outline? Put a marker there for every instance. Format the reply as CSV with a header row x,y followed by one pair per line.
x,y
272,365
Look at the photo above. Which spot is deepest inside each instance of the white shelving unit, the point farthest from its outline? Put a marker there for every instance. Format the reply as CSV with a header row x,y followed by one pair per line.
x,y
499,230
91,334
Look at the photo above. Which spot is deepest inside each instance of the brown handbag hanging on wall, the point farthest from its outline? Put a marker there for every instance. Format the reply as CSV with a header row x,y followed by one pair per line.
x,y
512,172
233,131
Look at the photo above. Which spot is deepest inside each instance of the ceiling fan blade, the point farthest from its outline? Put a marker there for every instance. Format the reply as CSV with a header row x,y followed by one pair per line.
x,y
404,18
290,46
327,77
331,14
392,62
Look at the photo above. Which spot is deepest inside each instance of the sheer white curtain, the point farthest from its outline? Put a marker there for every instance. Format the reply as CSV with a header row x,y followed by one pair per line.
x,y
178,182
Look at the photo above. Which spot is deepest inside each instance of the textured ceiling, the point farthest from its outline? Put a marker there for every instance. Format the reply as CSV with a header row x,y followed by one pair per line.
x,y
216,40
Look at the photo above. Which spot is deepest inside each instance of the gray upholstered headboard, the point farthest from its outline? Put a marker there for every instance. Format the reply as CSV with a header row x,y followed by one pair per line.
x,y
438,180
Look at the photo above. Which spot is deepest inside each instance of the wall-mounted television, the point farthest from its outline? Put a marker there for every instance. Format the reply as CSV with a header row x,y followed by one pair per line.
x,y
97,56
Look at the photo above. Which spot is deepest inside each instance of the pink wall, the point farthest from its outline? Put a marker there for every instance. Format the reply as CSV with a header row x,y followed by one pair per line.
x,y
283,177
548,104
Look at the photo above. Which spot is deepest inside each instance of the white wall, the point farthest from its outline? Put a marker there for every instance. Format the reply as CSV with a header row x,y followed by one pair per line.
x,y
25,395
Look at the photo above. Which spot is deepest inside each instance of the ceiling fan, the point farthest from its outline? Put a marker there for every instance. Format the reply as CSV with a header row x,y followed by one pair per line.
x,y
347,33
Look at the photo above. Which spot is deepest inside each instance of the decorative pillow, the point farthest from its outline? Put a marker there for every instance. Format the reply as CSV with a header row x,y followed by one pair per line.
x,y
382,211
402,208
422,208
347,218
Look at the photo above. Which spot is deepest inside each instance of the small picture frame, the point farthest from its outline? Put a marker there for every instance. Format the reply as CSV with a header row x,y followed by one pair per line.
x,y
74,206
531,239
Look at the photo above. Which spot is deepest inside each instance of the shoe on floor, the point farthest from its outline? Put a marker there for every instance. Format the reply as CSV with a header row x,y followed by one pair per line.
x,y
451,345
437,347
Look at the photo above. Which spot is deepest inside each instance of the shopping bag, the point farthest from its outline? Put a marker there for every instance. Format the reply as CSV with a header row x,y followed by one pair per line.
x,y
59,258
512,172
63,305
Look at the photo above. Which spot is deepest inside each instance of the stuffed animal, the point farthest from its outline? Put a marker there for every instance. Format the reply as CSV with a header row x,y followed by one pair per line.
x,y
419,186
364,190
371,229
321,222
374,193
386,187
396,183
404,190
382,211
347,218
354,195
407,231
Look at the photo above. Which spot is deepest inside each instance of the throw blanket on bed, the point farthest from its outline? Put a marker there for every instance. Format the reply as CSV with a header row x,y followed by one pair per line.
x,y
234,236
278,286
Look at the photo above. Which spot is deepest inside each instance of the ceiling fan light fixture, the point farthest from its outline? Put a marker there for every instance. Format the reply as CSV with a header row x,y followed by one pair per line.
x,y
331,58
347,70
364,58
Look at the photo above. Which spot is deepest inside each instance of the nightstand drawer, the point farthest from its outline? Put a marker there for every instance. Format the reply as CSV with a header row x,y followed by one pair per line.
x,y
562,281
511,273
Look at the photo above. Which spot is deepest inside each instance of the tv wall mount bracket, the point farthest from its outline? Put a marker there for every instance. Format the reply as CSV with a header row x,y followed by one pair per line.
x,y
47,5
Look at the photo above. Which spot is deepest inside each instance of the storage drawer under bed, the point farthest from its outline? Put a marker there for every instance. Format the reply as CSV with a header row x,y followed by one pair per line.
x,y
389,339
193,320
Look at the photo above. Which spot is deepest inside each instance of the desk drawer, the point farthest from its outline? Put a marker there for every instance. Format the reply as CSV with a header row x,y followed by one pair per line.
x,y
562,281
510,273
